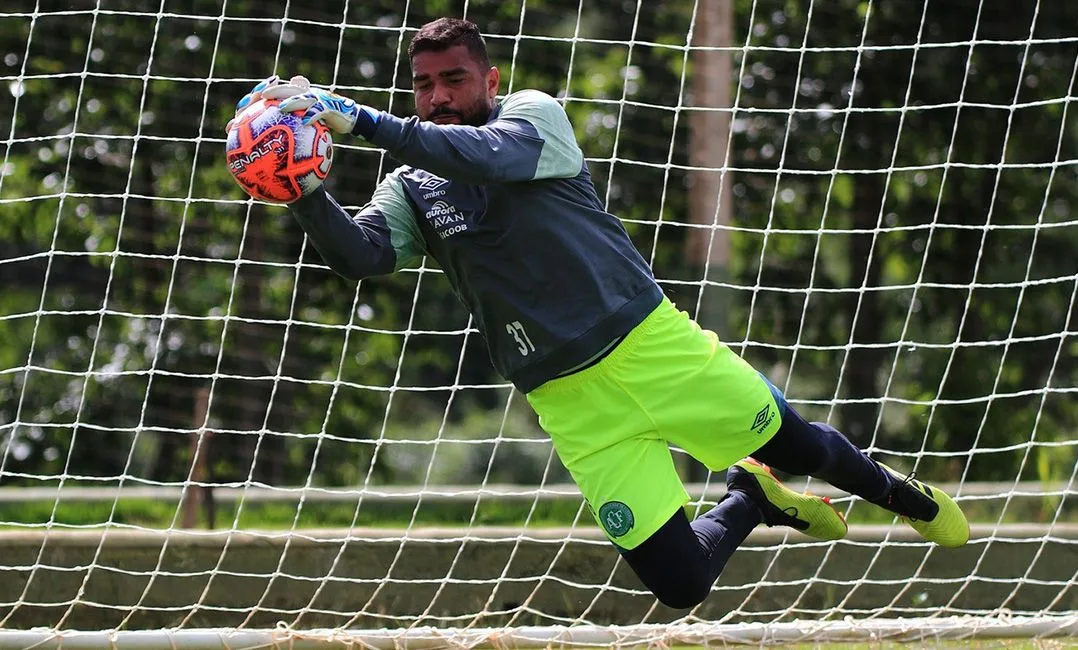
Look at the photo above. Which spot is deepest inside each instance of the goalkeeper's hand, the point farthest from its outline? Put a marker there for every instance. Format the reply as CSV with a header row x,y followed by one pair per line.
x,y
270,88
339,113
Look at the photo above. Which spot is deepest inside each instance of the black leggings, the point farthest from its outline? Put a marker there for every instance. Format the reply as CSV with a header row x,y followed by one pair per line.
x,y
681,560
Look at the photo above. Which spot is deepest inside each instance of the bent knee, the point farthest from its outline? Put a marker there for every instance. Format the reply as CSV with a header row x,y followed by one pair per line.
x,y
684,594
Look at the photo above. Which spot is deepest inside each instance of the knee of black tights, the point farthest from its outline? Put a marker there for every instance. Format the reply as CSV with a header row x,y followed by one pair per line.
x,y
672,565
679,584
685,594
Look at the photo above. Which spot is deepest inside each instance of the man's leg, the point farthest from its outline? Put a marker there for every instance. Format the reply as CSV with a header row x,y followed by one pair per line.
x,y
681,560
819,450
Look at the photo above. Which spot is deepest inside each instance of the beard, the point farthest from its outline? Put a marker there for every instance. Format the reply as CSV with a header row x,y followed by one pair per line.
x,y
476,115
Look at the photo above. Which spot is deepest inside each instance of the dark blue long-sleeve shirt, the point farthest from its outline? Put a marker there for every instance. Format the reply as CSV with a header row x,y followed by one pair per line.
x,y
509,211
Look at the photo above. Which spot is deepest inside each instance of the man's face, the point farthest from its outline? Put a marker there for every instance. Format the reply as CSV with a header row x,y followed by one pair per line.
x,y
451,87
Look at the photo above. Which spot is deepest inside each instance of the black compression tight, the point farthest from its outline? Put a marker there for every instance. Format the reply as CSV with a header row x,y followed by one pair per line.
x,y
681,561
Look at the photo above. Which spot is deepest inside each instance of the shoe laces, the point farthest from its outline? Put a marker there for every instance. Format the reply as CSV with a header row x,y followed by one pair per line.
x,y
909,479
900,488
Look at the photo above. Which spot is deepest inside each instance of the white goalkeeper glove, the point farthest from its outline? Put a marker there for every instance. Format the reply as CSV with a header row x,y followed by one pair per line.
x,y
270,88
339,113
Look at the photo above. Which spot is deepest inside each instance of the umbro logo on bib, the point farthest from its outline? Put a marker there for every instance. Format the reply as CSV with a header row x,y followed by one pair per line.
x,y
432,183
433,187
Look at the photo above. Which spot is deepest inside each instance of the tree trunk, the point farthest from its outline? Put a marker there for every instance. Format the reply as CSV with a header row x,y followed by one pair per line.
x,y
707,250
863,364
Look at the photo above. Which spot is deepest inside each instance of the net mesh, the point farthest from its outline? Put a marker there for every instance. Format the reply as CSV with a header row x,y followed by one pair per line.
x,y
204,427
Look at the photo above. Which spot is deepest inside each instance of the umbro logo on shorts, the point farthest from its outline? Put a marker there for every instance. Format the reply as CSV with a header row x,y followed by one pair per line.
x,y
763,418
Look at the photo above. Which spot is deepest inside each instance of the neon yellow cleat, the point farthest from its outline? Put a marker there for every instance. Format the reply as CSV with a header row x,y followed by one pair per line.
x,y
781,506
928,510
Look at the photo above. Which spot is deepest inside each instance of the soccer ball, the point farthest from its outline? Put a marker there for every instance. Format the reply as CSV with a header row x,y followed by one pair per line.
x,y
273,156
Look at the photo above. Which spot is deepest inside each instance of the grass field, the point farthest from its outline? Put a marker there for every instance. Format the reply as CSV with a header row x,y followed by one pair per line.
x,y
975,644
159,514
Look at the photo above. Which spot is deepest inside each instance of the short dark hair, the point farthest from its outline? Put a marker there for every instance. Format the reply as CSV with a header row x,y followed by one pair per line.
x,y
441,34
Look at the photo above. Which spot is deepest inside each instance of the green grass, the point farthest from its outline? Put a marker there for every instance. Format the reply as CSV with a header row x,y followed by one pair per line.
x,y
973,644
279,514
283,514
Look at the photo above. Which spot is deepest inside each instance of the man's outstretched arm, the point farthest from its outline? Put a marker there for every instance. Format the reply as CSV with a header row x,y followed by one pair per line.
x,y
381,238
530,139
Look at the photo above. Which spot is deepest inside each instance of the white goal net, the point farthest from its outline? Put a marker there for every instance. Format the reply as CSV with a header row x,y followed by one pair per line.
x,y
208,439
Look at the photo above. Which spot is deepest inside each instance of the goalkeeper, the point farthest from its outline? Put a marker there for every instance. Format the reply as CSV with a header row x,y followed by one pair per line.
x,y
499,195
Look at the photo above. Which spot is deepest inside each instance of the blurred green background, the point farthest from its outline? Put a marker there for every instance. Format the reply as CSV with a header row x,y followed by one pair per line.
x,y
902,263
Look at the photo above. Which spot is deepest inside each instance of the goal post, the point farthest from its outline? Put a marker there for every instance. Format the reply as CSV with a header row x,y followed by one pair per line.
x,y
210,440
481,583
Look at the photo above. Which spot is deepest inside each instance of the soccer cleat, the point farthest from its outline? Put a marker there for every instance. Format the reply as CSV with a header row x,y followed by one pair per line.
x,y
928,510
781,506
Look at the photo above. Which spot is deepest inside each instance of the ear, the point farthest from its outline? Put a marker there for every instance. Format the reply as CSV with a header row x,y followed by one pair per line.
x,y
493,79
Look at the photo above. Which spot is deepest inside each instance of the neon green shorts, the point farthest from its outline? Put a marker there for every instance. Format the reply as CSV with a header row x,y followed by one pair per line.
x,y
668,382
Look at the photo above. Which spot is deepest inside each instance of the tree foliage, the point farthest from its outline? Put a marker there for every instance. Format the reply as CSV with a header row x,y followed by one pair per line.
x,y
903,240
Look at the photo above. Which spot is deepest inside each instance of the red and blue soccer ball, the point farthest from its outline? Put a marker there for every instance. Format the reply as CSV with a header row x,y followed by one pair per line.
x,y
273,156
